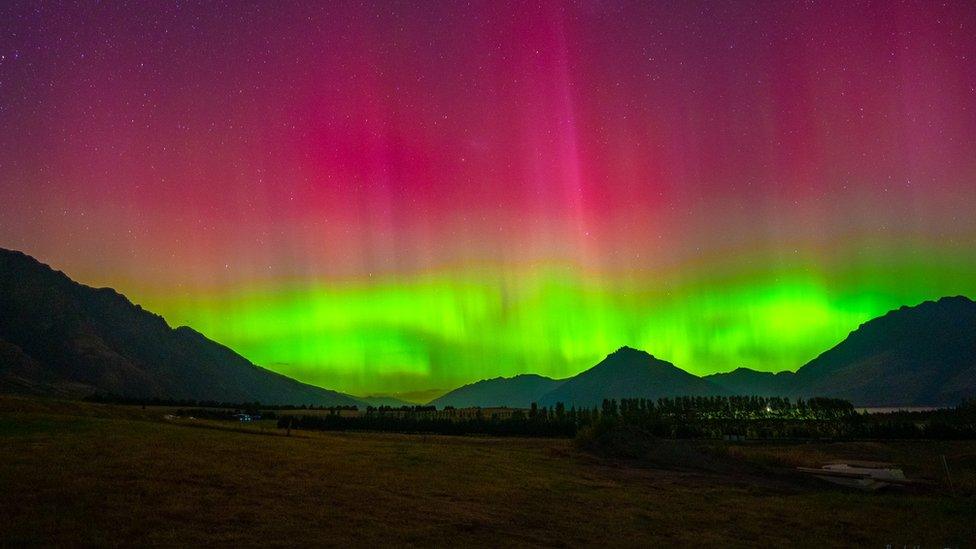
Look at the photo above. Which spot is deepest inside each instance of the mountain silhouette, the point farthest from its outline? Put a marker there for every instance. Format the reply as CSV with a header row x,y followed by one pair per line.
x,y
59,337
923,355
628,373
913,356
514,392
745,381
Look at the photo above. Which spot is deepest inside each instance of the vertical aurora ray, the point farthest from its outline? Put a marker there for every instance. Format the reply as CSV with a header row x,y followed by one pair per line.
x,y
351,194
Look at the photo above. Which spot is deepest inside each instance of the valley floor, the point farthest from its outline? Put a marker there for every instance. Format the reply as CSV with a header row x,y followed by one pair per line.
x,y
86,474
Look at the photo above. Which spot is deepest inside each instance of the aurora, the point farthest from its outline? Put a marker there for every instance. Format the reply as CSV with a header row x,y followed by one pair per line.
x,y
348,194
450,329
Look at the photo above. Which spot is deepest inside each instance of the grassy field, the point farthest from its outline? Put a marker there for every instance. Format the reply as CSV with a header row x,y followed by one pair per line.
x,y
81,474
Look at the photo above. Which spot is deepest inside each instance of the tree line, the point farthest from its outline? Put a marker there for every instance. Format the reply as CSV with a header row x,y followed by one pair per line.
x,y
731,417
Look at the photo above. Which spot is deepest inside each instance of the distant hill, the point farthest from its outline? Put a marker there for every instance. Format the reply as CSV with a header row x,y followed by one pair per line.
x,y
405,398
514,392
628,373
59,337
923,355
744,381
384,400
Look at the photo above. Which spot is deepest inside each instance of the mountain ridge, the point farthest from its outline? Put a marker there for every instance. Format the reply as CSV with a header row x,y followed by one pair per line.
x,y
60,337
744,380
918,355
915,355
513,392
628,373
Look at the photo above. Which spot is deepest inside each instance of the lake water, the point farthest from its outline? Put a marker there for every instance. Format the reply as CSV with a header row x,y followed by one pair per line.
x,y
889,409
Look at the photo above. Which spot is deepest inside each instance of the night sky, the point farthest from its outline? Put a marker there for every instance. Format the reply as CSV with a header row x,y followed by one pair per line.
x,y
395,196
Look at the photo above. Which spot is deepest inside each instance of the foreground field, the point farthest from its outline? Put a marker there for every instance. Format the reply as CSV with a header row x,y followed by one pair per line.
x,y
86,474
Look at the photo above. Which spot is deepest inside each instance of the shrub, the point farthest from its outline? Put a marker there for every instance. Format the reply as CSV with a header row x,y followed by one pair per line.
x,y
615,439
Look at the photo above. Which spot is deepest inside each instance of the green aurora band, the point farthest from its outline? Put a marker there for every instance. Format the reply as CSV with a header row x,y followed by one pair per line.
x,y
443,330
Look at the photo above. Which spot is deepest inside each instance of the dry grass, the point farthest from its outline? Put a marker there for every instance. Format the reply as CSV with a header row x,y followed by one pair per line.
x,y
920,460
81,474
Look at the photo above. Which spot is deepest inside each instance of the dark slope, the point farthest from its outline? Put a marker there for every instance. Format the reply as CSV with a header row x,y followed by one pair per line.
x,y
923,355
628,373
744,381
514,392
64,338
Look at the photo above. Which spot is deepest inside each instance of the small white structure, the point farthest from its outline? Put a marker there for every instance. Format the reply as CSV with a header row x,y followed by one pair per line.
x,y
864,475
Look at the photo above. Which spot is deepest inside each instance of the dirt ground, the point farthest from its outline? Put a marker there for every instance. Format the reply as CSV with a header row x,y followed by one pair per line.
x,y
86,474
